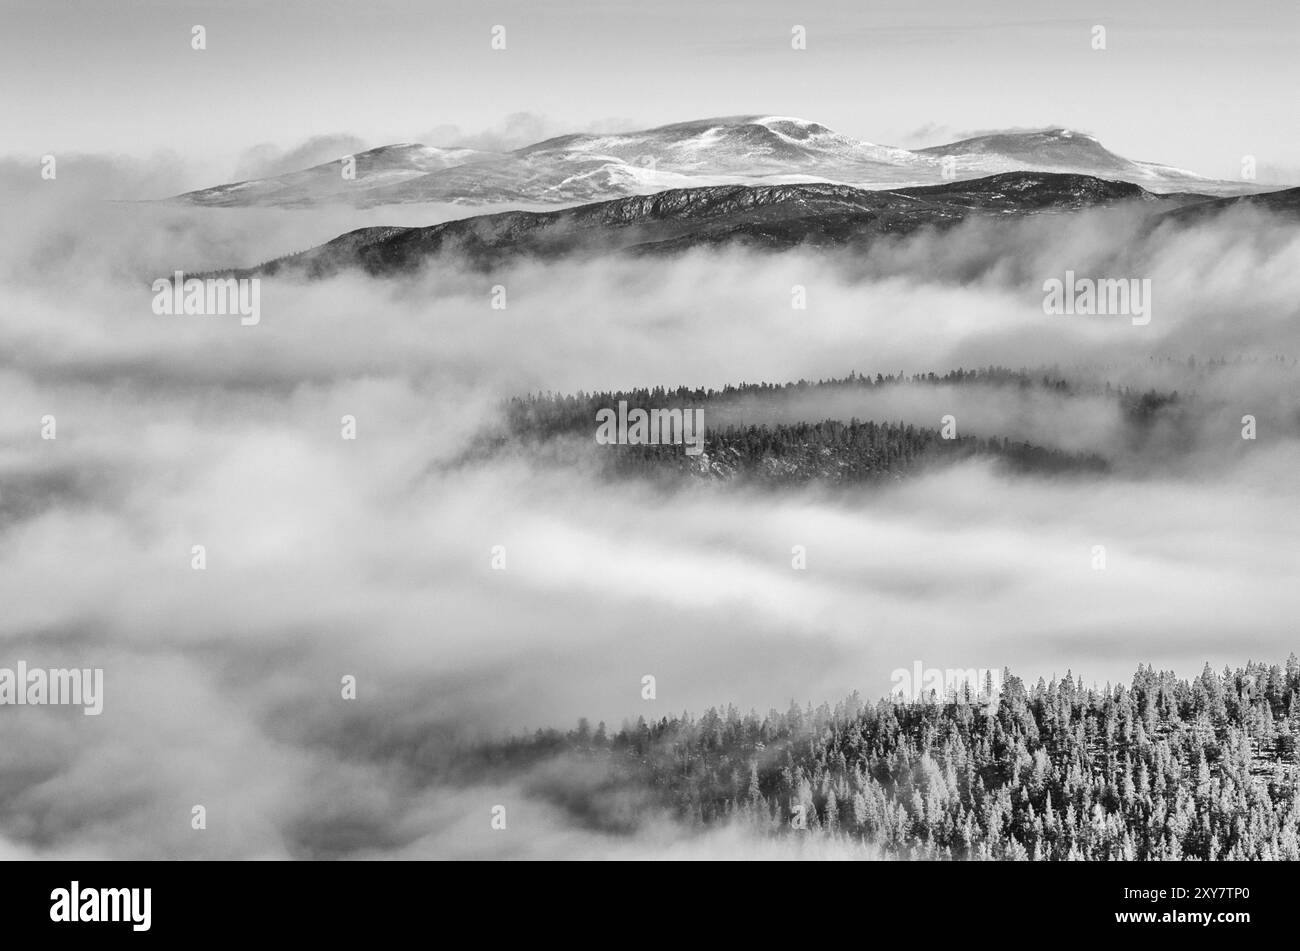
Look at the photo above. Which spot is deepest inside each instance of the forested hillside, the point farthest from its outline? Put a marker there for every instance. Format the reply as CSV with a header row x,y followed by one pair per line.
x,y
830,450
1159,769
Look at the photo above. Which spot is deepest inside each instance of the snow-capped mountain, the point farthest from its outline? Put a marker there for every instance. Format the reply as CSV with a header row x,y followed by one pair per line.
x,y
1061,150
738,145
383,168
754,150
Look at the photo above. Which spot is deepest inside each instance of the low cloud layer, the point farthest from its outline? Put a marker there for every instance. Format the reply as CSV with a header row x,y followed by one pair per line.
x,y
371,558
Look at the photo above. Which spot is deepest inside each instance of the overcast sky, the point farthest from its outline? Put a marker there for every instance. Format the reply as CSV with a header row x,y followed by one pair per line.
x,y
1185,82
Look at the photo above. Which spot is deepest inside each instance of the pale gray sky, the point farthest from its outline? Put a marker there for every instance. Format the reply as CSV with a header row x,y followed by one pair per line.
x,y
1193,83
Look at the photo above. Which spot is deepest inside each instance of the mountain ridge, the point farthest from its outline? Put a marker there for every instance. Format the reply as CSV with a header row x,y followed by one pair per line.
x,y
762,217
747,149
773,217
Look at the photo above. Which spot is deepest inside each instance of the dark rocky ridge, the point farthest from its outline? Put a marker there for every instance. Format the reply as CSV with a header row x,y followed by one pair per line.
x,y
764,217
772,217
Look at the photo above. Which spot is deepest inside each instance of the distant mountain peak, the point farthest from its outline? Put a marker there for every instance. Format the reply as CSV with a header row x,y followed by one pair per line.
x,y
792,126
752,149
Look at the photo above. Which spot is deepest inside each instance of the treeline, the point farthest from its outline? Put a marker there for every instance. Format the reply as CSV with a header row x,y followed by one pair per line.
x,y
548,414
834,452
1162,768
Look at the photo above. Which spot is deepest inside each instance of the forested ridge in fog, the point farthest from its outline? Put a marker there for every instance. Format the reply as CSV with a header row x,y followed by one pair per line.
x,y
1162,768
763,433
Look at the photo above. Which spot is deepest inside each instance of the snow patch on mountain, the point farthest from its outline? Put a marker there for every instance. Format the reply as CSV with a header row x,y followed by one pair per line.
x,y
748,149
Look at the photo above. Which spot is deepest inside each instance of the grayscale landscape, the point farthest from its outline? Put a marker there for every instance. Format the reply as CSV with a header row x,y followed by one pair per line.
x,y
369,573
